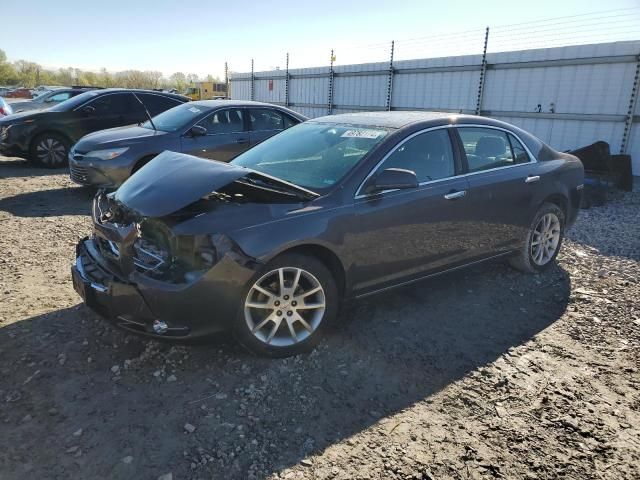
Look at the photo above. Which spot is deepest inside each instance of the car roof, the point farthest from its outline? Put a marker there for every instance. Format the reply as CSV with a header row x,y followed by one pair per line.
x,y
102,91
212,104
232,103
407,118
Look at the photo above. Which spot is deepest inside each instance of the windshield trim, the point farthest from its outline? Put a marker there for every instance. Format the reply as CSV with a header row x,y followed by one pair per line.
x,y
285,182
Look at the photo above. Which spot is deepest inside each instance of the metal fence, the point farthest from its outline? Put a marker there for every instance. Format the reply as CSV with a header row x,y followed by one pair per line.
x,y
568,95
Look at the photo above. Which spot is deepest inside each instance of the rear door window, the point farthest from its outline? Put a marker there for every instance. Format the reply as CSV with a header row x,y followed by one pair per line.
x,y
486,148
289,121
519,152
265,119
157,104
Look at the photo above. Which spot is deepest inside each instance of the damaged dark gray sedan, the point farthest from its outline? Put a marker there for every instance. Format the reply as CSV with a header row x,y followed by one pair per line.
x,y
270,245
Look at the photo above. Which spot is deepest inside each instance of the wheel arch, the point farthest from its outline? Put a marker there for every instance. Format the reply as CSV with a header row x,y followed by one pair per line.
x,y
327,256
53,131
560,201
142,161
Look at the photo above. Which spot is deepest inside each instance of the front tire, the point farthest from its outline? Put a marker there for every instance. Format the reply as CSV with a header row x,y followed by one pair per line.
x,y
543,241
287,307
49,150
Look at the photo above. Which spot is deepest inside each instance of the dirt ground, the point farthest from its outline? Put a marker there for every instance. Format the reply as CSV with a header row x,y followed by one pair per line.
x,y
486,373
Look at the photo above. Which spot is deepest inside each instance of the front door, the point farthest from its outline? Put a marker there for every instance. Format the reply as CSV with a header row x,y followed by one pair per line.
x,y
402,235
226,136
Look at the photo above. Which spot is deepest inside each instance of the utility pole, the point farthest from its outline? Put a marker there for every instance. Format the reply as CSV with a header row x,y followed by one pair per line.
x,y
226,80
483,73
632,106
330,102
286,82
390,79
253,78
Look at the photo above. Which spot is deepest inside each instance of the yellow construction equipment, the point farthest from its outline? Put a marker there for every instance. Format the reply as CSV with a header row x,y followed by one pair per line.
x,y
206,91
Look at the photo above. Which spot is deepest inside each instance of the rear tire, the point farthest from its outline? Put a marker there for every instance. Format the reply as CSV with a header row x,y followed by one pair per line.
x,y
49,150
543,241
287,307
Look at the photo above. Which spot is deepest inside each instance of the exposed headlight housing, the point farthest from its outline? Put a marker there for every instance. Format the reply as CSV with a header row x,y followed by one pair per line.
x,y
107,154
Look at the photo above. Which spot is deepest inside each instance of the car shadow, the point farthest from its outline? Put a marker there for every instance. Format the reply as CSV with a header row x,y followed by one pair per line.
x,y
54,202
251,414
19,167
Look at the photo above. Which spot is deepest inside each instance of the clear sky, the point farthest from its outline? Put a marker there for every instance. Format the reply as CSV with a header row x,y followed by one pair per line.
x,y
199,36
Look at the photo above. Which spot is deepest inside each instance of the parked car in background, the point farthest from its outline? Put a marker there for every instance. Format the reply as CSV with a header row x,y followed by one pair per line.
x,y
19,93
42,89
218,130
45,136
49,98
5,90
5,108
339,207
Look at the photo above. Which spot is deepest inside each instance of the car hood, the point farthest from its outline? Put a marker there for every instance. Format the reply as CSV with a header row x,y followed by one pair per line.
x,y
172,181
19,107
119,136
20,117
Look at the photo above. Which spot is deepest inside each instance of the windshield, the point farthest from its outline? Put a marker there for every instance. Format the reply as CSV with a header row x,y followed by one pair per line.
x,y
312,155
73,102
40,98
175,118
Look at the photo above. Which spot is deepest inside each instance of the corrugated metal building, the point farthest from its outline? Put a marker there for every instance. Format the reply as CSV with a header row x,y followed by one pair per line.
x,y
568,96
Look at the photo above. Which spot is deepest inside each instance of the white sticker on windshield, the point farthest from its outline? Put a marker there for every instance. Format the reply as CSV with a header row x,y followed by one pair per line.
x,y
194,110
362,133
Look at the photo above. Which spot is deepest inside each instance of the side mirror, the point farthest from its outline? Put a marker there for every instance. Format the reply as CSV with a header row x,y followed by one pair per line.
x,y
392,179
88,110
197,131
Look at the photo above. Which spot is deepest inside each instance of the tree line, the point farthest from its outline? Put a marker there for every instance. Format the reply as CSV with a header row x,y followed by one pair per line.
x,y
29,74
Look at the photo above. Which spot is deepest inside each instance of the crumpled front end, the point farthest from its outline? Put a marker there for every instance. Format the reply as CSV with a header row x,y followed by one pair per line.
x,y
137,272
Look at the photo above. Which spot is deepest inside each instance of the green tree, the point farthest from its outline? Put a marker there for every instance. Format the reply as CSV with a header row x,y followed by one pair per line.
x,y
178,81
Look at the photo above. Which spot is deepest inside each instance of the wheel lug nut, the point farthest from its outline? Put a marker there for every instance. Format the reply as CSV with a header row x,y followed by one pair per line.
x,y
277,303
294,303
286,297
289,313
279,312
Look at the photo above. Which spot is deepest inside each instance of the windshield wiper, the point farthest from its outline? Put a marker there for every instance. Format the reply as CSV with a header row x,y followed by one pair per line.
x,y
146,111
278,187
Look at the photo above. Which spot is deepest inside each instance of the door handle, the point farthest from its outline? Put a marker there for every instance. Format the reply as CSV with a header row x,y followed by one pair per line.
x,y
532,178
454,195
242,140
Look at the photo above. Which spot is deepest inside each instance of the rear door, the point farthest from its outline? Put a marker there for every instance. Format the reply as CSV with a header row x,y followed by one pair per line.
x,y
106,111
502,184
266,122
226,136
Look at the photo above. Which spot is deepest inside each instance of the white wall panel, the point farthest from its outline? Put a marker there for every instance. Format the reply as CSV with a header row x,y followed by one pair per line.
x,y
593,89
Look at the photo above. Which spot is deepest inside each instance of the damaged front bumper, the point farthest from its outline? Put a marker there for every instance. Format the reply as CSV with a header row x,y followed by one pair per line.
x,y
118,289
160,309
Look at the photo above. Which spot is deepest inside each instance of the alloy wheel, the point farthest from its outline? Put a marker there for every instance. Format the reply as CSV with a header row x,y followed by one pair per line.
x,y
545,239
51,151
285,306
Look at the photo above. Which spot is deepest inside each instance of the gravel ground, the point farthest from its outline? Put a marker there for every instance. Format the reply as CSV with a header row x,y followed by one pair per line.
x,y
485,373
